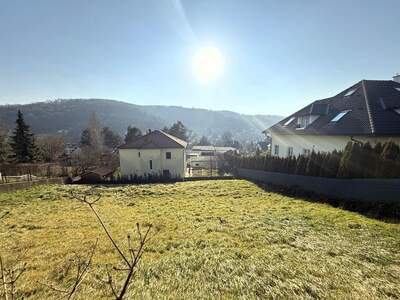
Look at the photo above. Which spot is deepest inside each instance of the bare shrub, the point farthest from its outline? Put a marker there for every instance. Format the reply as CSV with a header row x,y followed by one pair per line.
x,y
82,267
131,260
9,275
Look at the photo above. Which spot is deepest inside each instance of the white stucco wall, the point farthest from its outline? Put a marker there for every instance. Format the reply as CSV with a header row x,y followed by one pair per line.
x,y
205,162
131,163
319,143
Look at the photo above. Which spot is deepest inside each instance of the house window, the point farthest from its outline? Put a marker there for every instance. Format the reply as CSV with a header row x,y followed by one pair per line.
x,y
151,164
139,153
290,151
306,152
168,155
304,121
340,115
276,150
289,121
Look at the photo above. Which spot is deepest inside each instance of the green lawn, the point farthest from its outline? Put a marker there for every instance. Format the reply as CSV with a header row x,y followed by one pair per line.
x,y
215,239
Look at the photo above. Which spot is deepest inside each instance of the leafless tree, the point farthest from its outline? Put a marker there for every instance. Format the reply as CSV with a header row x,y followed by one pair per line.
x,y
131,260
82,266
9,275
51,147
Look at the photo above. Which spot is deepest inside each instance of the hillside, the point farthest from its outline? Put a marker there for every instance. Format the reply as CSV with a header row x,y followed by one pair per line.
x,y
71,117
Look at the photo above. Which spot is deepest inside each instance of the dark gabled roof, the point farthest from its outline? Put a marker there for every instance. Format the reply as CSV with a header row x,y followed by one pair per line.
x,y
371,112
156,139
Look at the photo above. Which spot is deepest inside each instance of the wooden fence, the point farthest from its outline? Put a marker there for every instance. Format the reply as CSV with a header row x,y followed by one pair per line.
x,y
9,187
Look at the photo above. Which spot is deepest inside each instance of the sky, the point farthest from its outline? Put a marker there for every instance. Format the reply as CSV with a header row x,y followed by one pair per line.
x,y
277,55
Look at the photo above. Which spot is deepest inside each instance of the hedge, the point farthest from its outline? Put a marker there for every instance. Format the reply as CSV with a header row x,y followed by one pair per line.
x,y
355,161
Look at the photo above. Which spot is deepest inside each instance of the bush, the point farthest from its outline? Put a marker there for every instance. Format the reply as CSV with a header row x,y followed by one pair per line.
x,y
356,161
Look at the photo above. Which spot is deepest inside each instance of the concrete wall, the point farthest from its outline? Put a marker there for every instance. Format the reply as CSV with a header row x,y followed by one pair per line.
x,y
382,190
134,164
318,143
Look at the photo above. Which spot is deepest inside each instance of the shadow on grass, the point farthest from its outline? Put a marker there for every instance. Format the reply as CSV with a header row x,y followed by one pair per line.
x,y
388,212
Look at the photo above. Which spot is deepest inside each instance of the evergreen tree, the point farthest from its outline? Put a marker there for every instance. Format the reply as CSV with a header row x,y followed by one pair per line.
x,y
132,134
333,164
352,164
111,139
22,142
301,165
324,171
292,165
204,141
368,161
388,156
396,171
178,130
312,168
344,164
376,154
4,147
85,138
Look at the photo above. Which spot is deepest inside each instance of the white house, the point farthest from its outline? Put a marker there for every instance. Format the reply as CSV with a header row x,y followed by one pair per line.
x,y
206,157
368,111
156,153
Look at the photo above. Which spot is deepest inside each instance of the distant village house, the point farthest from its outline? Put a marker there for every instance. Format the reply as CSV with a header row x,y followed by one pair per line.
x,y
156,153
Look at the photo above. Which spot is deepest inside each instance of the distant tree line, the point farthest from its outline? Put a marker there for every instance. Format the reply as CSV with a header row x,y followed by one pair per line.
x,y
97,144
356,161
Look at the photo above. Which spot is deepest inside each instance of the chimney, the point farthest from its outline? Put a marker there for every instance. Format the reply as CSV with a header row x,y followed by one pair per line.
x,y
396,78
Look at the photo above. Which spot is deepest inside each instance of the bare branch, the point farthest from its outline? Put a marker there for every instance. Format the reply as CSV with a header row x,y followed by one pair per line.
x,y
132,261
90,204
3,278
82,269
9,278
4,215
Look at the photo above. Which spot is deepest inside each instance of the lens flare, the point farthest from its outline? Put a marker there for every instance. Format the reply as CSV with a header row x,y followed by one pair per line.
x,y
208,64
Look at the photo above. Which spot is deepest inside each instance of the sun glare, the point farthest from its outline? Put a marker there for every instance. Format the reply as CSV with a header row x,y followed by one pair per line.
x,y
208,64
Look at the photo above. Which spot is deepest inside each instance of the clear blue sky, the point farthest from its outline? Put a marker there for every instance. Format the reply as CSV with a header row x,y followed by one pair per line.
x,y
279,55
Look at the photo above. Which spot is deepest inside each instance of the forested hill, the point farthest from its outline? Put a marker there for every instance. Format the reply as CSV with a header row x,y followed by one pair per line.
x,y
71,117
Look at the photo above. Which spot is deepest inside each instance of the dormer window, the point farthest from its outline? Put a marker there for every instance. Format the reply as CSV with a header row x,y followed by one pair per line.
x,y
340,115
350,92
397,89
289,121
305,121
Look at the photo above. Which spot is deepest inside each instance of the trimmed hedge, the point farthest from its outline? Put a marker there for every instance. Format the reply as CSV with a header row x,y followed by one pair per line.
x,y
356,161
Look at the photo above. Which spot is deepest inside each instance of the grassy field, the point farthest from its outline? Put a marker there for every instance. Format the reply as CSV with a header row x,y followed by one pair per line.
x,y
215,239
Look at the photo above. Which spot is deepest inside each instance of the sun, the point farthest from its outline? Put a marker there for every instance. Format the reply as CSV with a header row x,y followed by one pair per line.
x,y
208,64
